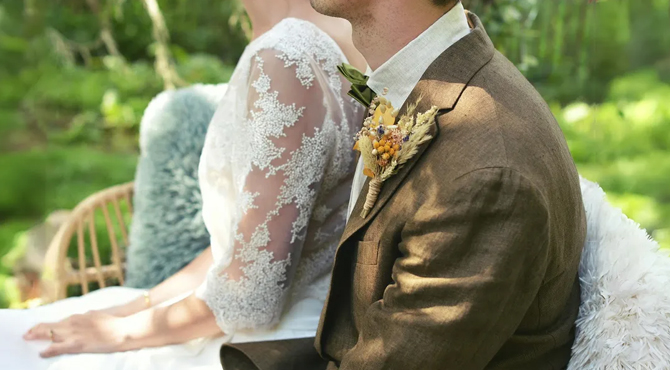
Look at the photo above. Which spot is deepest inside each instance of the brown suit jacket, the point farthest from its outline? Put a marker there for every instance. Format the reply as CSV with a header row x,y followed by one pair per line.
x,y
469,258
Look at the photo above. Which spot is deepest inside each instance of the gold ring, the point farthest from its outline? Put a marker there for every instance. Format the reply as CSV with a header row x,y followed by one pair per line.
x,y
51,335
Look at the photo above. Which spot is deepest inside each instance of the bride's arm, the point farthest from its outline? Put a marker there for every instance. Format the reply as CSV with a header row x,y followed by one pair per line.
x,y
187,319
132,325
249,291
97,332
185,280
288,168
290,152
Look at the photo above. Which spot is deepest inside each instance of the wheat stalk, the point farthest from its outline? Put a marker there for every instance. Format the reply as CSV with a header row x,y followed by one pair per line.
x,y
417,129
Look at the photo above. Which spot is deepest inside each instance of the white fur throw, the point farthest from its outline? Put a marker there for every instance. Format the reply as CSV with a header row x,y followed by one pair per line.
x,y
624,317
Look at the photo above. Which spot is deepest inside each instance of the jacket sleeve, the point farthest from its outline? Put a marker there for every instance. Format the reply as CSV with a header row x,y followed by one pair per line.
x,y
472,262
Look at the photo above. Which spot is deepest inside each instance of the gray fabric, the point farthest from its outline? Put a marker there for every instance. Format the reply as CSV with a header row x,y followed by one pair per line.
x,y
167,231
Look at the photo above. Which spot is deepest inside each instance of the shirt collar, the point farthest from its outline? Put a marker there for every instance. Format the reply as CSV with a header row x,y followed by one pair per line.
x,y
402,72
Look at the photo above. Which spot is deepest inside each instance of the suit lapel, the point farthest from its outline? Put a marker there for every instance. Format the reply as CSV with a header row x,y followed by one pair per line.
x,y
441,85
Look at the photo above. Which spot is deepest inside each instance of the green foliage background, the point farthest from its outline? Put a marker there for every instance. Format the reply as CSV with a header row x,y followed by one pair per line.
x,y
70,111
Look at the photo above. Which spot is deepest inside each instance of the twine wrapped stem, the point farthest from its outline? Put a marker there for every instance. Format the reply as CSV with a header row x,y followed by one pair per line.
x,y
373,192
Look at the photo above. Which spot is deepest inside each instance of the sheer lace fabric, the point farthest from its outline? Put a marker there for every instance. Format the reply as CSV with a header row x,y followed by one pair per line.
x,y
275,176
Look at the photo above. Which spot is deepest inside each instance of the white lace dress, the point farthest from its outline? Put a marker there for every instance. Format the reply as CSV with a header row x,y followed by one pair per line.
x,y
275,176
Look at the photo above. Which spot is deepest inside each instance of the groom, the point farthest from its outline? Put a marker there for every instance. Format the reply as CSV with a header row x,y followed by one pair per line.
x,y
468,259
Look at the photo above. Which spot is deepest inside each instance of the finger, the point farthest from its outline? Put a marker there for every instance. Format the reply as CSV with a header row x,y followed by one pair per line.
x,y
38,332
57,349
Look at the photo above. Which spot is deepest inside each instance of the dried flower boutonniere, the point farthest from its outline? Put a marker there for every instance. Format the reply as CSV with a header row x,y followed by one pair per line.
x,y
387,142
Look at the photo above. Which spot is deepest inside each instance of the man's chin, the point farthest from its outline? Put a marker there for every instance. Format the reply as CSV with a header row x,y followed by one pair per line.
x,y
326,7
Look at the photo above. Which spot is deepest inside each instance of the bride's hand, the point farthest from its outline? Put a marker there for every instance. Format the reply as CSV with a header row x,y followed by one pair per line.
x,y
93,332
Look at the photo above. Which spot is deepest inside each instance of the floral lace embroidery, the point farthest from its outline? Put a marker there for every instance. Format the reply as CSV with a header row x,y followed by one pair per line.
x,y
269,121
255,275
246,201
321,213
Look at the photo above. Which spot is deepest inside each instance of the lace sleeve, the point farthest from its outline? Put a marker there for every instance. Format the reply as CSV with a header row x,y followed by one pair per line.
x,y
286,159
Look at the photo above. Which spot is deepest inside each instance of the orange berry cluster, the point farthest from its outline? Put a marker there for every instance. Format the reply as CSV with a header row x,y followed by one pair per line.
x,y
385,149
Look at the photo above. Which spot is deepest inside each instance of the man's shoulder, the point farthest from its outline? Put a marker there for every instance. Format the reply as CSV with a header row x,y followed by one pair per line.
x,y
505,84
501,87
499,120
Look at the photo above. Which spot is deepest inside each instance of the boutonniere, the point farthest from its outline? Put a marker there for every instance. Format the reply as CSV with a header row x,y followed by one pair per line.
x,y
387,142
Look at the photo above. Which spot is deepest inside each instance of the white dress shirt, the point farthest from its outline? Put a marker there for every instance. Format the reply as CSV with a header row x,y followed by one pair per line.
x,y
402,72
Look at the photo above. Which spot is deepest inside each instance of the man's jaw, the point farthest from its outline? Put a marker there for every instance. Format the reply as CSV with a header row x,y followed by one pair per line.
x,y
386,27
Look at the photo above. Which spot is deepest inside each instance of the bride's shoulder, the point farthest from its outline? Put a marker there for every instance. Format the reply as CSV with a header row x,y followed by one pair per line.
x,y
296,39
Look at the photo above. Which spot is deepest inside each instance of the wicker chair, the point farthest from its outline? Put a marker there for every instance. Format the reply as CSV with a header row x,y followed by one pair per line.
x,y
61,272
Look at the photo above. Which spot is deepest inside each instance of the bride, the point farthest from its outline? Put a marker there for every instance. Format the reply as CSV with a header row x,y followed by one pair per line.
x,y
275,178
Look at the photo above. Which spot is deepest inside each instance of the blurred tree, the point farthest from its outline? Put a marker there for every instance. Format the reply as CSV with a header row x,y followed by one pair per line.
x,y
164,66
103,15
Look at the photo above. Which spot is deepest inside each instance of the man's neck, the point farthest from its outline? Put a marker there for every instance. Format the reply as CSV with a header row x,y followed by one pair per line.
x,y
391,25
